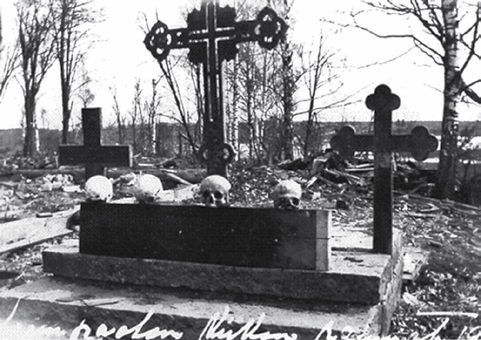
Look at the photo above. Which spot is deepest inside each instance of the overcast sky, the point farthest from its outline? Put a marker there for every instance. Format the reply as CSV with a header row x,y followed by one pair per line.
x,y
119,57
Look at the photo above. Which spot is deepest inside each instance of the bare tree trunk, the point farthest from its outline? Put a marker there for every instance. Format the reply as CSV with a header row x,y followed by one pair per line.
x,y
167,71
118,117
136,113
313,85
452,95
199,104
134,134
63,63
287,102
180,143
152,106
70,30
30,143
234,119
66,112
36,55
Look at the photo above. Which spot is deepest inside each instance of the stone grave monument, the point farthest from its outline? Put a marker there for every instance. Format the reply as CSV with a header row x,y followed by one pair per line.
x,y
197,272
93,155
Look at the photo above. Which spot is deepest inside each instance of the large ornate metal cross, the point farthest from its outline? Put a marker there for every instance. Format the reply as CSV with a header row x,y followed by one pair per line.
x,y
419,143
212,35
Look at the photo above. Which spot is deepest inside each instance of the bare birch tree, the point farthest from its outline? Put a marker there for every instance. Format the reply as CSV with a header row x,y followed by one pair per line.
x,y
135,113
255,89
70,29
119,117
8,62
314,79
448,34
84,93
36,58
167,69
152,107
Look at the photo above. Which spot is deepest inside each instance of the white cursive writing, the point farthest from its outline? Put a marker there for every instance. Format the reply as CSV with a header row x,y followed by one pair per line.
x,y
103,331
248,331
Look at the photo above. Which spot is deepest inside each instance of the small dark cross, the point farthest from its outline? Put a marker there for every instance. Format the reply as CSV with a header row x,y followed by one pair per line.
x,y
419,143
93,154
212,35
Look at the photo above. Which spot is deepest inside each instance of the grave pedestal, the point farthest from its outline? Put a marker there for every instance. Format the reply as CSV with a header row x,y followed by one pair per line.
x,y
234,236
356,277
360,290
62,302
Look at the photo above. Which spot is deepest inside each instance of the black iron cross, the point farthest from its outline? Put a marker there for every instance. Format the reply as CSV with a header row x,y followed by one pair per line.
x,y
212,35
419,143
93,154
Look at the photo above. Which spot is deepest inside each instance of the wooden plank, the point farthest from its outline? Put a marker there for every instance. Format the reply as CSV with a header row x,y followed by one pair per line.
x,y
414,259
30,231
190,175
230,236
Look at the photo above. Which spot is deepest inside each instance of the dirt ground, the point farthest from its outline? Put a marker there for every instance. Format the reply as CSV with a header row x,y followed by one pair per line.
x,y
449,283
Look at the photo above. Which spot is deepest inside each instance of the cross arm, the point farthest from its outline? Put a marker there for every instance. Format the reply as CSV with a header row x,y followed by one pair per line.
x,y
346,142
107,155
420,143
160,40
267,29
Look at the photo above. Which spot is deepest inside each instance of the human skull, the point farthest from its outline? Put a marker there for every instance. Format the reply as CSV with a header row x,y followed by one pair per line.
x,y
214,191
147,188
98,188
287,195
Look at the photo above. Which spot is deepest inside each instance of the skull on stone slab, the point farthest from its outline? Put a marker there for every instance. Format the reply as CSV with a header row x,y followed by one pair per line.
x,y
147,188
214,191
287,195
98,188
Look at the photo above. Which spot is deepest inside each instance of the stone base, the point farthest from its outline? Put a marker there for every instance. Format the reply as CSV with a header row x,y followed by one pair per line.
x,y
61,302
356,277
363,290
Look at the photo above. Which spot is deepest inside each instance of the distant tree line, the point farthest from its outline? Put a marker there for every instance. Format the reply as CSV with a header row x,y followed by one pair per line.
x,y
49,32
265,92
448,33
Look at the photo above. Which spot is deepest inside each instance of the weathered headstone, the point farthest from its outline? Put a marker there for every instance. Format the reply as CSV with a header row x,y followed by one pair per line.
x,y
211,35
235,236
93,154
419,143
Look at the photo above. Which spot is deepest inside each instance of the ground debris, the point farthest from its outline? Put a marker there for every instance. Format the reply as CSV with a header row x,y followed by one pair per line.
x,y
449,231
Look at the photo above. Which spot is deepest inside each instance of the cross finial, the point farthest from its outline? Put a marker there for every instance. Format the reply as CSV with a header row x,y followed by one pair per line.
x,y
383,99
422,143
343,141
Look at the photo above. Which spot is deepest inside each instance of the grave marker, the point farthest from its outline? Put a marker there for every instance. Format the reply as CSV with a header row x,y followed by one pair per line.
x,y
211,35
419,143
234,236
93,154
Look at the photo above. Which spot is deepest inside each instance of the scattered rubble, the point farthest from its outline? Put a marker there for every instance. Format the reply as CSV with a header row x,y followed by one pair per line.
x,y
448,230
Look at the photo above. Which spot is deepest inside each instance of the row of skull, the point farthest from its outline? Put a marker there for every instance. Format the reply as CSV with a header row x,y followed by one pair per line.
x,y
214,191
